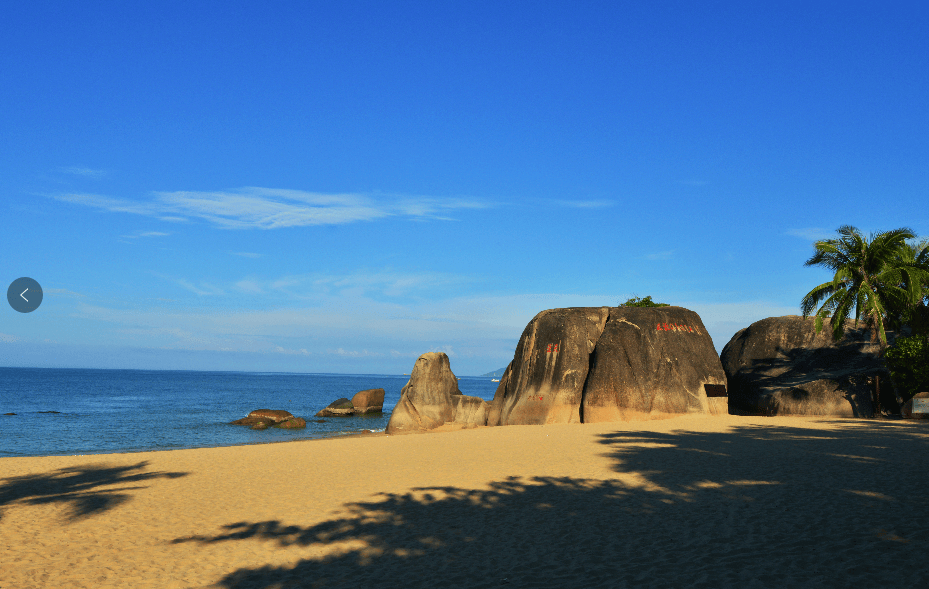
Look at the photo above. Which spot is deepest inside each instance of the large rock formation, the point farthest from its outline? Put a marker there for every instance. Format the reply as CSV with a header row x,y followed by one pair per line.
x,y
431,399
781,366
594,364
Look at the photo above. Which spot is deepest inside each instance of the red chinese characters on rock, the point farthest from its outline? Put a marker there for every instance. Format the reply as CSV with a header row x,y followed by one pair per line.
x,y
551,348
676,327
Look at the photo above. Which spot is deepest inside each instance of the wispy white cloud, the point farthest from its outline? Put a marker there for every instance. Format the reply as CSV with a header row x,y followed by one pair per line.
x,y
270,208
584,204
300,352
354,353
812,233
446,349
660,255
382,282
113,205
202,288
356,326
62,292
146,234
82,171
250,286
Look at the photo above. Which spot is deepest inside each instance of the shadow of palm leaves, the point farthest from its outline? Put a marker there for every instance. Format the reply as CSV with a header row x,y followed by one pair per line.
x,y
81,487
763,506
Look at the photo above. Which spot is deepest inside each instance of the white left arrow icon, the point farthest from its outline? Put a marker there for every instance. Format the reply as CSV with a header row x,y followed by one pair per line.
x,y
24,298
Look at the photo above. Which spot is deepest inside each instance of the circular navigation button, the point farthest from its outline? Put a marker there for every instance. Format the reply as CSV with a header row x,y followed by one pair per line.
x,y
24,295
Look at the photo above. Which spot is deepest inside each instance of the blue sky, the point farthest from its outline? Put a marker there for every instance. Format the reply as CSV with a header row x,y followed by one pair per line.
x,y
342,186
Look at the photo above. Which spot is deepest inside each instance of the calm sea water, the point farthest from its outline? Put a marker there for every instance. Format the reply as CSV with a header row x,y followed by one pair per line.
x,y
62,411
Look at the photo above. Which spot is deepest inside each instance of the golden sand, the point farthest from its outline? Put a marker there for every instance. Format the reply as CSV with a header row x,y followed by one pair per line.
x,y
726,501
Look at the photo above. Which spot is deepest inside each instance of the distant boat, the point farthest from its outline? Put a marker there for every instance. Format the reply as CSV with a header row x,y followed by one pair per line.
x,y
495,380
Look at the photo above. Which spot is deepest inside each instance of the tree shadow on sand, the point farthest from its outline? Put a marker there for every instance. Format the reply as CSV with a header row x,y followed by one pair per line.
x,y
81,487
754,506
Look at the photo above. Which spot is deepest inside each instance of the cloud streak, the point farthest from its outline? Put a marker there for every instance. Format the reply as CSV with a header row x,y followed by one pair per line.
x,y
82,171
147,234
271,208
584,204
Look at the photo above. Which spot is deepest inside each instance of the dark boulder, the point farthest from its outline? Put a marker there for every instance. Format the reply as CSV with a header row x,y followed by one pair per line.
x,y
592,364
263,418
545,381
368,401
651,363
292,423
338,408
431,398
274,415
781,366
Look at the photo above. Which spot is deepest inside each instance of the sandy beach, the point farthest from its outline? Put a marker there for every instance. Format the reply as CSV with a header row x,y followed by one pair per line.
x,y
727,501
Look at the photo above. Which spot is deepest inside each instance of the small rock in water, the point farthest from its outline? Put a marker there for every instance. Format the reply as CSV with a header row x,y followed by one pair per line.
x,y
338,408
295,423
265,418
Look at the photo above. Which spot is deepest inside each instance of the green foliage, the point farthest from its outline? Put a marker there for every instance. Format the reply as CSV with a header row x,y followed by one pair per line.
x,y
879,280
908,361
646,302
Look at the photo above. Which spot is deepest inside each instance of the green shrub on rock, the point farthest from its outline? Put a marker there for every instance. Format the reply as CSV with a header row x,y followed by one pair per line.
x,y
908,362
646,302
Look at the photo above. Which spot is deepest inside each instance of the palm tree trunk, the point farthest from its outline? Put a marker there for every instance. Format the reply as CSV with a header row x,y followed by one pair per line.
x,y
877,395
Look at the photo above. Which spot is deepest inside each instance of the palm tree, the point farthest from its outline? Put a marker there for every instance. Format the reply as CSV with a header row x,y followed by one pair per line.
x,y
914,269
874,278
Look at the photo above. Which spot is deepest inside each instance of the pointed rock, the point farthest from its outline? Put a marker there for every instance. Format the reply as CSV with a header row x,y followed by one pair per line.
x,y
431,399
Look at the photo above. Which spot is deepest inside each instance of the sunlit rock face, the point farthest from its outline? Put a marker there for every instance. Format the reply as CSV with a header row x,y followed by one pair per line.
x,y
431,399
781,366
590,364
368,401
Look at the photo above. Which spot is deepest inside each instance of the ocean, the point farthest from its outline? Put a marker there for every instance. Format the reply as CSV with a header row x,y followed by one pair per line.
x,y
66,411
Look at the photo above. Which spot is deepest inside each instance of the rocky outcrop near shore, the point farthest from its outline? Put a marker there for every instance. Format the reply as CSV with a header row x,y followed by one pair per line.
x,y
265,418
593,364
338,408
364,402
781,366
368,401
431,399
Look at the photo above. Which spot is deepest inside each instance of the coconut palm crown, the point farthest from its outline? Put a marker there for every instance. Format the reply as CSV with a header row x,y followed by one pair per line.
x,y
874,278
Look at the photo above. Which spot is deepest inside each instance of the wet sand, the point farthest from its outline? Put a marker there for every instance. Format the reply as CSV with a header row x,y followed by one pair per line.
x,y
728,501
